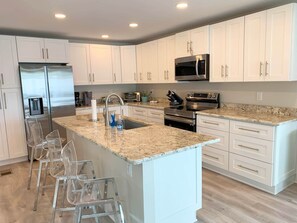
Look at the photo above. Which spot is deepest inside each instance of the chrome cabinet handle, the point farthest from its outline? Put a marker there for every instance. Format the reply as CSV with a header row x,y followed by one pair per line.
x,y
154,113
211,123
226,70
249,130
135,77
43,53
114,77
191,48
90,79
247,147
93,77
246,168
47,53
5,104
222,70
0,105
138,111
140,76
165,75
213,157
2,79
261,65
266,68
188,46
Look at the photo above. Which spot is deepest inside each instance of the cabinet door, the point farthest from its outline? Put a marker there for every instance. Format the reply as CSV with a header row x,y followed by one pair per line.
x,y
139,75
56,50
116,64
217,52
14,121
30,49
162,59
152,59
182,44
170,59
254,46
234,49
8,62
79,60
3,139
200,40
145,51
279,43
101,65
128,57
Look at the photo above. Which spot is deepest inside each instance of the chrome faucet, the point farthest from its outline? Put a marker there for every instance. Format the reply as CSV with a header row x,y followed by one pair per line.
x,y
105,113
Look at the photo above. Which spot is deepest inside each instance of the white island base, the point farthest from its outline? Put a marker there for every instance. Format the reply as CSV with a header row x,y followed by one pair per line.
x,y
167,189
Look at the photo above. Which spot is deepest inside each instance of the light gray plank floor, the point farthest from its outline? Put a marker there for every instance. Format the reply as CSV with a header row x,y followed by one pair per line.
x,y
224,201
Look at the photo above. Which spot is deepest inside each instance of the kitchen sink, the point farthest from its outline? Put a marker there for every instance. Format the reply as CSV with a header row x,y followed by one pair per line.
x,y
129,124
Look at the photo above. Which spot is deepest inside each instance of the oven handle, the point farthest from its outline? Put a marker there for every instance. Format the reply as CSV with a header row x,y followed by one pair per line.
x,y
182,120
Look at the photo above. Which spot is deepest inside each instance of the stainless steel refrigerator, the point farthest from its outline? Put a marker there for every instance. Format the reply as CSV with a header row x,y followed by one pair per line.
x,y
48,92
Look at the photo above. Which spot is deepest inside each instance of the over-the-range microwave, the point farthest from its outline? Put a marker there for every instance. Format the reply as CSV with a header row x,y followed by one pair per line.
x,y
192,68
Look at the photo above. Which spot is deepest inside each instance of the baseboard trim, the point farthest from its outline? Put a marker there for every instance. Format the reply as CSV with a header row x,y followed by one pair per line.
x,y
14,160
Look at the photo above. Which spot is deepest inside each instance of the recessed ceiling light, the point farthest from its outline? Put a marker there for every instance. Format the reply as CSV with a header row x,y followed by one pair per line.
x,y
105,36
60,16
133,25
182,5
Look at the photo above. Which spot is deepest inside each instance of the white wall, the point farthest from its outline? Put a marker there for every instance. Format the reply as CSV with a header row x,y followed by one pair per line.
x,y
103,90
283,94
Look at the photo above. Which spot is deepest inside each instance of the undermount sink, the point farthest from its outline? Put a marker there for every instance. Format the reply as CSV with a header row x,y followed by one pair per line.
x,y
128,124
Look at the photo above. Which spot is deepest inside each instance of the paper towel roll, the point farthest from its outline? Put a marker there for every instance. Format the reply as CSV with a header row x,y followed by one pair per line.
x,y
94,110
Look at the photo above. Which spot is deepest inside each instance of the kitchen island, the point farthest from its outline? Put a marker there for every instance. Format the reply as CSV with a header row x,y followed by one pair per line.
x,y
158,168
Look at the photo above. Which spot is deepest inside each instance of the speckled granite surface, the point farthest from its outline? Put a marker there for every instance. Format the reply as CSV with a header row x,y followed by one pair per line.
x,y
136,145
266,115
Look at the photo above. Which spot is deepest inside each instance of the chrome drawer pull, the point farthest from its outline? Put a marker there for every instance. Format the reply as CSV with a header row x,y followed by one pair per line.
x,y
246,168
250,130
211,123
247,147
213,157
153,113
139,111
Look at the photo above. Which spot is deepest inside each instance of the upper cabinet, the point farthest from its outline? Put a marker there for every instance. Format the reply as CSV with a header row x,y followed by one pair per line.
x,y
128,58
9,76
192,42
226,51
148,53
91,63
166,64
39,50
270,45
116,65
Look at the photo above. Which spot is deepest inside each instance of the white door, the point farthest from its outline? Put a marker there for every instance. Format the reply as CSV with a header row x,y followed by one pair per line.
x,y
8,62
279,43
254,46
30,49
217,52
79,60
116,65
139,76
234,50
14,120
3,141
56,50
128,57
182,44
200,40
101,64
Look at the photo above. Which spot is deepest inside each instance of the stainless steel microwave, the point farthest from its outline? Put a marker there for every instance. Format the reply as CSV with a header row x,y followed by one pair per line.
x,y
192,68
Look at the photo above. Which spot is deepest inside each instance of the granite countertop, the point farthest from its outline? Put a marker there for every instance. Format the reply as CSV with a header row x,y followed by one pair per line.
x,y
256,114
135,145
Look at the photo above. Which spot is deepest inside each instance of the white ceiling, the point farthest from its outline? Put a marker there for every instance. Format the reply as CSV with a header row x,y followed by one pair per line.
x,y
89,19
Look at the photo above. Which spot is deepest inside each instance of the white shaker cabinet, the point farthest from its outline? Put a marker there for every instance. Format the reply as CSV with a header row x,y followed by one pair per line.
x,y
192,42
128,58
39,50
166,64
270,50
139,76
226,51
8,63
12,129
116,64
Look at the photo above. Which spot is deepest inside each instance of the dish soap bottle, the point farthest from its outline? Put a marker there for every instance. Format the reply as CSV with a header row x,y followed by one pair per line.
x,y
120,123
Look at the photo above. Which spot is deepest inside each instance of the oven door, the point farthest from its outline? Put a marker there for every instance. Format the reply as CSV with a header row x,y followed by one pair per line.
x,y
180,122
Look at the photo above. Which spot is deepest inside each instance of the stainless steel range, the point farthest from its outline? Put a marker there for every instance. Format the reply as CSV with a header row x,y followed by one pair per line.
x,y
184,116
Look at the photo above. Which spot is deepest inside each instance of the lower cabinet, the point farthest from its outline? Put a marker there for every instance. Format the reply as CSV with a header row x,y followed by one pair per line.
x,y
117,109
147,114
12,128
260,155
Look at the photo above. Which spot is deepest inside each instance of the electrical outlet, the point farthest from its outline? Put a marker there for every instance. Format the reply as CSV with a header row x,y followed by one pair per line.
x,y
259,96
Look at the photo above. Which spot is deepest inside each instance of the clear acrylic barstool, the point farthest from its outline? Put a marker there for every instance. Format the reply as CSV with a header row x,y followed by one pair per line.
x,y
85,191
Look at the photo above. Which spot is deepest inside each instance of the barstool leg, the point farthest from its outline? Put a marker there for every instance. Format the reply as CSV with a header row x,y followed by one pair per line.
x,y
30,168
94,212
55,199
44,179
116,216
63,195
38,185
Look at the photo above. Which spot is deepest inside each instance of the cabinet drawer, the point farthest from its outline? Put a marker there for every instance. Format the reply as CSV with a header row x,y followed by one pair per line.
x,y
215,157
139,111
213,123
249,168
254,130
153,113
259,149
224,137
